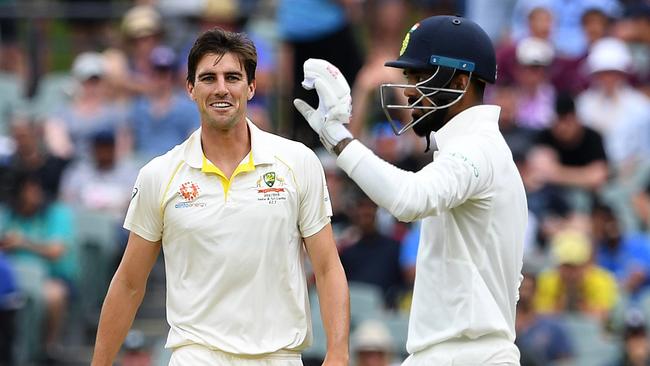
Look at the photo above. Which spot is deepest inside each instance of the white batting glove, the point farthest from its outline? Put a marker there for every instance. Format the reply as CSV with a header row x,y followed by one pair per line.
x,y
334,102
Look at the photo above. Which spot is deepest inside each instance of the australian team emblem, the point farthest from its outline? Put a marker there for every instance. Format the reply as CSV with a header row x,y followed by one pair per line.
x,y
269,179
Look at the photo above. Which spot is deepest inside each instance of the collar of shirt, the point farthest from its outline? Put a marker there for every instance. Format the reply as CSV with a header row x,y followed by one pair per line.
x,y
260,147
471,120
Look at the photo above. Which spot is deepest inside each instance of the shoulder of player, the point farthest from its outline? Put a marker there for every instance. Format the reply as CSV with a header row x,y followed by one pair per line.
x,y
163,163
288,150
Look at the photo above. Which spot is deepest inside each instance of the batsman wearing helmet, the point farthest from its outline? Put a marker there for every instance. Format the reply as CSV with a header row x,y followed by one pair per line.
x,y
470,198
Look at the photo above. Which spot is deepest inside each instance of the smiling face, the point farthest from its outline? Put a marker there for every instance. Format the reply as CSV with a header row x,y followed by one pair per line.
x,y
221,90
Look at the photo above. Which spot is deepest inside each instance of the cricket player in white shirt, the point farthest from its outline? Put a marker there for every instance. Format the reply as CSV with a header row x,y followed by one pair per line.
x,y
234,208
470,199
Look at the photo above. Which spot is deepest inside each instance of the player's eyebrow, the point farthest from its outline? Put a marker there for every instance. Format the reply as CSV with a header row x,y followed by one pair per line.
x,y
227,73
235,73
205,73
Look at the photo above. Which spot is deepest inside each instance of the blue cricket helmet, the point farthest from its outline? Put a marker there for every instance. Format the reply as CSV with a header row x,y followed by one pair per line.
x,y
443,45
449,41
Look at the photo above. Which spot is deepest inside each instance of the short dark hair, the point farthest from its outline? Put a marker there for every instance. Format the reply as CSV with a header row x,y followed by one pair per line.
x,y
564,104
219,41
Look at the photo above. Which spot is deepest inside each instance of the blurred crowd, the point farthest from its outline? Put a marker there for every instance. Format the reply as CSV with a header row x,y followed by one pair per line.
x,y
86,100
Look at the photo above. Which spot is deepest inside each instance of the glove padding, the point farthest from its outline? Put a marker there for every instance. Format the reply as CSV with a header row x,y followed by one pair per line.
x,y
334,102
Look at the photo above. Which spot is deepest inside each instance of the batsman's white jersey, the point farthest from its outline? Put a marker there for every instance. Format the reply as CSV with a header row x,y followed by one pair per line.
x,y
473,208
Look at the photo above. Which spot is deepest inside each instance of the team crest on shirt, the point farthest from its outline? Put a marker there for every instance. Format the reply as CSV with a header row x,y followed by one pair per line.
x,y
270,188
189,191
269,179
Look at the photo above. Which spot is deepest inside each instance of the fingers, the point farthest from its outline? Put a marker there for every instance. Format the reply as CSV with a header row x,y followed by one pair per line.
x,y
325,94
305,109
320,69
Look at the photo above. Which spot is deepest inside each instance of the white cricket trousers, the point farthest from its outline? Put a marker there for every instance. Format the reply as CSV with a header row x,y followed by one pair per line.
x,y
197,355
484,351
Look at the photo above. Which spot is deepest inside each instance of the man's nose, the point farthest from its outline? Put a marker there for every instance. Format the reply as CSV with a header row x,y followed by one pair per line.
x,y
411,92
220,87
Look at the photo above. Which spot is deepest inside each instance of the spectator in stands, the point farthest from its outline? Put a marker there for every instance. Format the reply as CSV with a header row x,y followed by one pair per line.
x,y
571,156
568,74
30,156
314,29
626,255
102,183
615,109
372,344
164,117
37,236
535,93
10,301
540,26
385,27
641,203
567,36
575,284
519,138
340,196
636,345
68,130
634,29
374,257
142,31
541,339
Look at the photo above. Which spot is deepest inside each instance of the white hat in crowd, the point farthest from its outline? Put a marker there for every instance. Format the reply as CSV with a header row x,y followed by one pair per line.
x,y
372,335
609,54
141,21
533,51
87,65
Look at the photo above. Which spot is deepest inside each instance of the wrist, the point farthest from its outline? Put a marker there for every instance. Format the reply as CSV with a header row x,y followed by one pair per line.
x,y
338,148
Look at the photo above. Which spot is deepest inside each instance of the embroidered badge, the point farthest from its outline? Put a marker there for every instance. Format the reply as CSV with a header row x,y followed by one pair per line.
x,y
275,191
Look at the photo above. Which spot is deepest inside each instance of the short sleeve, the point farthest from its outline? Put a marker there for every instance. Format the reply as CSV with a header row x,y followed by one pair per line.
x,y
144,215
315,208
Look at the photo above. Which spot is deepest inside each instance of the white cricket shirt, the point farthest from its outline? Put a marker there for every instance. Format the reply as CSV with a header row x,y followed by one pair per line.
x,y
233,248
473,208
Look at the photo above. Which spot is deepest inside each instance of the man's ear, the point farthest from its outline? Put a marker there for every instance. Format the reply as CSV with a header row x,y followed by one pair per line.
x,y
460,82
251,89
190,90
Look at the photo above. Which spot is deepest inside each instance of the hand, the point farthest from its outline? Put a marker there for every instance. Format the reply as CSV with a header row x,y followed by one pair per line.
x,y
334,102
331,360
12,240
544,163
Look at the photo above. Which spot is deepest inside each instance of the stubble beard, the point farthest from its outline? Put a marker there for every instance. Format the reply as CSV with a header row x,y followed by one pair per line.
x,y
431,123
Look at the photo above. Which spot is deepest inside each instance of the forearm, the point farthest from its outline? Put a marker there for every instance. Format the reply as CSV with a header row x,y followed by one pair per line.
x,y
51,251
358,118
334,301
593,176
379,180
119,309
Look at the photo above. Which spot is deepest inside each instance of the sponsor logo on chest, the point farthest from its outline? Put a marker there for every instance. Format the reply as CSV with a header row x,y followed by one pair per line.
x,y
189,192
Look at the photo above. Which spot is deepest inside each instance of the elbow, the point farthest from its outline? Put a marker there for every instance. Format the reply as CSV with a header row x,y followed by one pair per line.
x,y
599,177
406,213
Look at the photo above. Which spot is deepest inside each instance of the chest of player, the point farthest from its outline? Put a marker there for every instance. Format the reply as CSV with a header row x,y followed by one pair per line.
x,y
199,200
